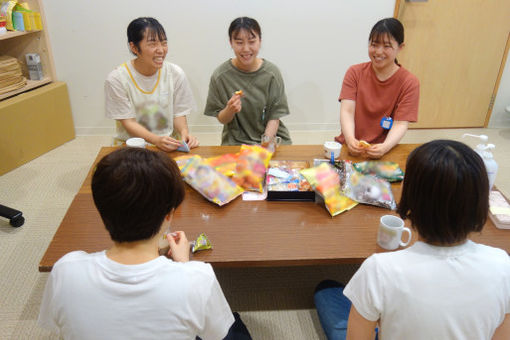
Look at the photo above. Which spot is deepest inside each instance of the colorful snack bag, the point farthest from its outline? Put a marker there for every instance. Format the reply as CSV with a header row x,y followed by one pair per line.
x,y
390,171
213,185
368,189
251,167
182,161
326,182
201,243
226,164
285,176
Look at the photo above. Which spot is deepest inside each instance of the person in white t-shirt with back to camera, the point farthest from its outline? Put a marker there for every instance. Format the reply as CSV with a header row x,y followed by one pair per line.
x,y
444,286
129,291
148,96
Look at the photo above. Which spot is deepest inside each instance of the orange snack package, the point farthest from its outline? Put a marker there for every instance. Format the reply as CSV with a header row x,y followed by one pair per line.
x,y
226,164
251,167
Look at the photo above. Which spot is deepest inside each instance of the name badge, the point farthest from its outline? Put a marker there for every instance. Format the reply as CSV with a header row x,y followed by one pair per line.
x,y
386,123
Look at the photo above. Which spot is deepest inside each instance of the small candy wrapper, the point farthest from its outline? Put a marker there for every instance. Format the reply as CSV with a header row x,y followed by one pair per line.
x,y
326,182
251,167
368,189
201,243
226,164
213,185
390,171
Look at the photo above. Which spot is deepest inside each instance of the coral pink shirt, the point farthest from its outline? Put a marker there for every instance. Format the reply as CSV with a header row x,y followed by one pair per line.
x,y
396,97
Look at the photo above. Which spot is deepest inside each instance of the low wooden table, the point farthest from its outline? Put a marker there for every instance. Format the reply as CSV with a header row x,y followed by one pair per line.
x,y
255,233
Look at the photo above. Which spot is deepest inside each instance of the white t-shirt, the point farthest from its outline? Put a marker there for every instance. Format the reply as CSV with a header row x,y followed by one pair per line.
x,y
89,296
153,100
428,292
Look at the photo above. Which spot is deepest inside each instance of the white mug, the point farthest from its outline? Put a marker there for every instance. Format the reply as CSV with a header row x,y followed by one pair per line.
x,y
270,142
332,147
136,142
390,231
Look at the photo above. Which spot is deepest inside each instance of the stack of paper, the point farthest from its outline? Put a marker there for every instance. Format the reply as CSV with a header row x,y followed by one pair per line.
x,y
11,77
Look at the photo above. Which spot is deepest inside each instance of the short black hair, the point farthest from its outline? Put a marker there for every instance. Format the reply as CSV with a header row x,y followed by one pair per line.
x,y
445,192
134,189
244,23
137,28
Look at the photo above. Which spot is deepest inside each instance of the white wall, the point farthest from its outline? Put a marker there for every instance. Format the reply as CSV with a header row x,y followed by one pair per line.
x,y
312,42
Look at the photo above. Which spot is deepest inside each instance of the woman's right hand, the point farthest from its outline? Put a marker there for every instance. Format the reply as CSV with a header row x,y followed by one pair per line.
x,y
234,104
166,143
353,147
179,246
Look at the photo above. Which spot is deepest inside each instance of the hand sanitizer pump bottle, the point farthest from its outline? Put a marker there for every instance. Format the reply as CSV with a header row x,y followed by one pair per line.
x,y
484,150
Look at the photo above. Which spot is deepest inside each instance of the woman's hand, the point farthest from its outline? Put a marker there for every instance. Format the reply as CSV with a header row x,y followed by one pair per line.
x,y
166,143
234,104
192,141
179,246
353,147
376,151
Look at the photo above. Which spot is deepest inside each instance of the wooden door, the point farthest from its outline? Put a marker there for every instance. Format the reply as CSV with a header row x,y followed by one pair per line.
x,y
457,49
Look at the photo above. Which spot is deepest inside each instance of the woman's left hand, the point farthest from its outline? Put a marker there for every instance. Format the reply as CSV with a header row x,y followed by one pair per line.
x,y
192,141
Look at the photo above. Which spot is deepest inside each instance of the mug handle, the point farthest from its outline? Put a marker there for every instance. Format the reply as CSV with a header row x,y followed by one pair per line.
x,y
277,140
409,234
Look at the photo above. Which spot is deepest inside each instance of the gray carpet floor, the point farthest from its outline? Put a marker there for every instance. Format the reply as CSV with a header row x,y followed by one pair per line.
x,y
275,303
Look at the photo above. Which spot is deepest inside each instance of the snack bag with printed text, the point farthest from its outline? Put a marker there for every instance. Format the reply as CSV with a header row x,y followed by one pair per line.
x,y
213,185
226,164
369,189
390,171
326,182
251,167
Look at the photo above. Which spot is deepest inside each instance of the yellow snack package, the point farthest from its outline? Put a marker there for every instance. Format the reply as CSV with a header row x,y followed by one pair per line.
x,y
326,182
251,167
201,243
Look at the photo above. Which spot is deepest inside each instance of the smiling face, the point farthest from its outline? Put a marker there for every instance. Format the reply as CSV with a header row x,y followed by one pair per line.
x,y
383,50
246,46
151,52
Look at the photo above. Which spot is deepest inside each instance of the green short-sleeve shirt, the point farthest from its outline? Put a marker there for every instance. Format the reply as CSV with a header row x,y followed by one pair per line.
x,y
264,99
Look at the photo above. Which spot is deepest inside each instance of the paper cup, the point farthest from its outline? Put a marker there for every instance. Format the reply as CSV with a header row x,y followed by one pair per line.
x,y
332,147
136,142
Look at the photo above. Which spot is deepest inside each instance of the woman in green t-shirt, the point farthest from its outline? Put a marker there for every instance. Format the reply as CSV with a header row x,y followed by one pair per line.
x,y
247,93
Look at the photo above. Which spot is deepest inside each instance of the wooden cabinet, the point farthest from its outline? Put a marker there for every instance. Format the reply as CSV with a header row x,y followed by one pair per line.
x,y
36,118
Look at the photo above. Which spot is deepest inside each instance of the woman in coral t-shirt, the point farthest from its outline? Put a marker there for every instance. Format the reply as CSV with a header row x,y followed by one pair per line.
x,y
378,98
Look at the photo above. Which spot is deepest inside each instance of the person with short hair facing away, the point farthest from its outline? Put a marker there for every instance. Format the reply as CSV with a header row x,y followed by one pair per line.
x,y
148,96
247,93
380,97
129,291
444,286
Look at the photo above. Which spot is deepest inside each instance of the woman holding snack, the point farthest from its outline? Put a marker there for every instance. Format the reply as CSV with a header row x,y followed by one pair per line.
x,y
380,97
444,286
246,93
148,96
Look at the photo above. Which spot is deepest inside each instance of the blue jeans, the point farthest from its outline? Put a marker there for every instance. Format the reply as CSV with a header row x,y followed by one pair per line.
x,y
333,308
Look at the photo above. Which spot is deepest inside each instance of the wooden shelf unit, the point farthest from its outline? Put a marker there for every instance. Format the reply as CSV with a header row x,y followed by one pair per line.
x,y
37,117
